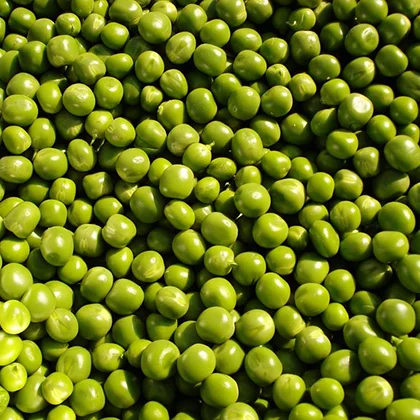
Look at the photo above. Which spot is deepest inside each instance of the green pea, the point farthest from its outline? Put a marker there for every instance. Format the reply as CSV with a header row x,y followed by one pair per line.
x,y
304,45
62,50
209,59
147,204
15,317
159,359
57,245
312,345
402,153
288,391
50,163
334,91
176,182
22,219
30,399
211,386
88,240
87,398
201,106
335,316
114,35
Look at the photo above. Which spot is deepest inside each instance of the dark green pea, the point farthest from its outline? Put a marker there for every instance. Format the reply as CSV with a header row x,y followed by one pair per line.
x,y
42,30
201,106
49,98
9,65
301,19
244,103
191,18
394,28
408,83
355,111
62,50
402,153
108,92
360,72
209,59
397,61
234,14
361,40
296,129
155,27
92,27
324,238
22,84
332,35
223,86
371,12
223,115
245,39
280,17
274,50
89,68
304,45
171,113
324,67
334,92
301,86
180,47
150,99
150,136
312,345
297,238
390,184
381,129
249,65
50,163
412,130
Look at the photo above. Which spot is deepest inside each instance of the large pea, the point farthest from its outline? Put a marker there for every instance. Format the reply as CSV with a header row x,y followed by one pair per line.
x,y
57,245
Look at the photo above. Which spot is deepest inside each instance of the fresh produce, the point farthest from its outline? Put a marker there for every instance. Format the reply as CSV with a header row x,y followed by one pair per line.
x,y
208,209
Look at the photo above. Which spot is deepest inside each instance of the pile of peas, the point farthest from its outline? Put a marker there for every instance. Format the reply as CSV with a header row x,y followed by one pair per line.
x,y
208,210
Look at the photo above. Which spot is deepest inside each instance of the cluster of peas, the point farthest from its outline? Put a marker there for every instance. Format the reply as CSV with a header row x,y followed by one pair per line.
x,y
208,209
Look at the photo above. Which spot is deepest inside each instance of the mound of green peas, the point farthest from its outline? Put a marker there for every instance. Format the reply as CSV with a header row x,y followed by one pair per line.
x,y
208,210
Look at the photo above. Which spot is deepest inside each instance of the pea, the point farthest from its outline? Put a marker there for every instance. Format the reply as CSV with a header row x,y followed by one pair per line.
x,y
30,399
87,398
